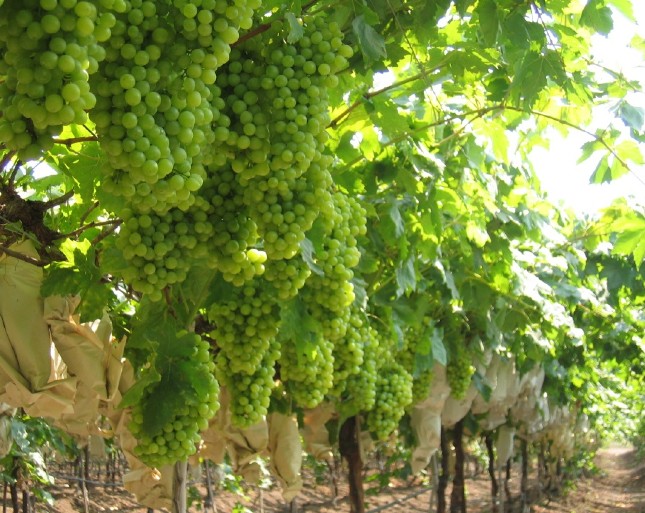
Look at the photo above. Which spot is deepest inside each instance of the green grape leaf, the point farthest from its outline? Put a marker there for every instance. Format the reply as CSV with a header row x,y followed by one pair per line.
x,y
488,21
395,215
482,387
296,324
630,236
406,278
633,117
296,30
371,43
438,349
135,393
597,16
220,291
161,404
78,275
171,347
308,255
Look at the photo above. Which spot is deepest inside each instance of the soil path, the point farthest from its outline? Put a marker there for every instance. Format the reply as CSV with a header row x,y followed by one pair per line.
x,y
619,488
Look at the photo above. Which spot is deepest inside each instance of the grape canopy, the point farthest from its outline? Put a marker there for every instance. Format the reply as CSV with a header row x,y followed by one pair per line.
x,y
226,211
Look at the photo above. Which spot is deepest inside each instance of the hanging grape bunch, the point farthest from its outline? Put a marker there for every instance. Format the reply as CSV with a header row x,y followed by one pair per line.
x,y
169,415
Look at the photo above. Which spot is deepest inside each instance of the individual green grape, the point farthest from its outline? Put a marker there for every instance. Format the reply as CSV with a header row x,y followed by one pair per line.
x,y
459,371
307,370
393,395
177,439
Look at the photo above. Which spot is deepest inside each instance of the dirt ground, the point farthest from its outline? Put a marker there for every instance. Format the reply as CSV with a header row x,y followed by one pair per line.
x,y
619,487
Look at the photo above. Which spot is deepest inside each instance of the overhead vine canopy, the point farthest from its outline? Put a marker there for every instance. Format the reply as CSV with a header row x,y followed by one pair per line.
x,y
334,195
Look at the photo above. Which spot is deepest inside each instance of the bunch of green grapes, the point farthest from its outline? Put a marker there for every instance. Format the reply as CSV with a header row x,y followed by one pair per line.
x,y
408,355
250,393
177,439
307,370
276,98
393,395
285,206
459,370
157,99
234,236
349,351
360,387
287,276
333,289
160,248
49,49
245,325
271,130
330,293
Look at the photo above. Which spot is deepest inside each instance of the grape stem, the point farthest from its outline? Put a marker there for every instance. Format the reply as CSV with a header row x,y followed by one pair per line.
x,y
110,222
266,26
343,115
75,140
6,159
57,201
21,256
86,214
108,232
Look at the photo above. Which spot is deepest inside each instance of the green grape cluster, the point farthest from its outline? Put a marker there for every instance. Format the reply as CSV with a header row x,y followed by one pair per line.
x,y
178,438
360,388
160,248
156,96
408,357
287,276
271,130
48,50
245,326
276,97
459,371
307,370
231,247
349,351
332,289
284,207
329,293
393,395
250,393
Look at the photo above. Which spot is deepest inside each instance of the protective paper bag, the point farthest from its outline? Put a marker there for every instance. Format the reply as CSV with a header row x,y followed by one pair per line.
x,y
242,444
88,354
456,409
426,424
481,405
27,379
285,449
504,444
25,344
315,434
439,389
6,435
